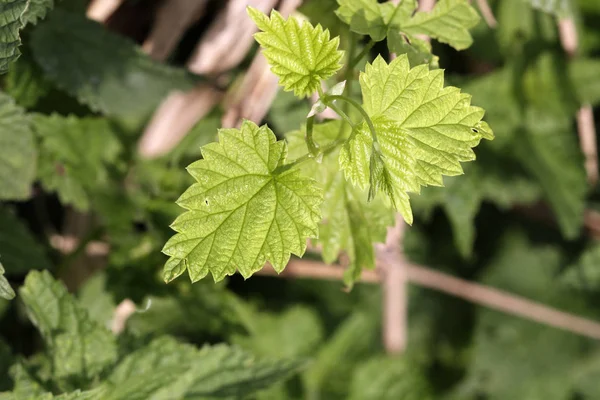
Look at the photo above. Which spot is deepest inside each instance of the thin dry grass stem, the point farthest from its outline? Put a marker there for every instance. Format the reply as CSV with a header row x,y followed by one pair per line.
x,y
172,20
174,118
585,116
486,13
473,292
101,10
258,89
228,39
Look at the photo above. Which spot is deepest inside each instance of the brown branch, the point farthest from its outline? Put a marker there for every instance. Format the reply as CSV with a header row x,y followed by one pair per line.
x,y
101,10
121,314
172,20
486,13
472,292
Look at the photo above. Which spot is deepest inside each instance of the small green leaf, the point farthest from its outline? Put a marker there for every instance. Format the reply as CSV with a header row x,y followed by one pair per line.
x,y
368,17
417,50
79,347
37,10
19,153
448,22
76,153
243,211
300,55
25,82
6,292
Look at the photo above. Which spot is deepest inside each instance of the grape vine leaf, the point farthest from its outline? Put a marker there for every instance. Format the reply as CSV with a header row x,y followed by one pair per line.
x,y
11,23
6,291
79,347
448,22
243,210
76,155
350,224
19,249
299,54
103,70
424,130
18,161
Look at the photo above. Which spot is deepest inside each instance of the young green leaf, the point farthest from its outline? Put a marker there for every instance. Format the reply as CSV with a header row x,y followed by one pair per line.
x,y
350,224
25,82
79,348
6,292
75,156
11,23
19,249
448,22
424,130
37,10
244,209
368,17
105,71
300,55
19,156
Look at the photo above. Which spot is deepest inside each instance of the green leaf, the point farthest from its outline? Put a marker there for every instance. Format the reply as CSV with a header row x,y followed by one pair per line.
x,y
75,156
25,82
448,22
350,224
417,50
105,71
6,292
424,130
167,370
11,23
368,17
19,249
18,161
550,152
300,55
79,347
244,209
96,300
559,8
584,274
384,378
37,10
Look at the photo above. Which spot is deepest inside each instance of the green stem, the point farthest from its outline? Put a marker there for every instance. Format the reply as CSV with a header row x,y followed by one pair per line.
x,y
360,55
359,108
326,150
342,114
313,147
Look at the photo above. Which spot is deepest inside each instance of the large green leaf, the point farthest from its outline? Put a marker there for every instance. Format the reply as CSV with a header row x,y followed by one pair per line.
x,y
18,160
300,55
75,156
424,130
350,224
19,249
244,209
79,347
105,71
167,370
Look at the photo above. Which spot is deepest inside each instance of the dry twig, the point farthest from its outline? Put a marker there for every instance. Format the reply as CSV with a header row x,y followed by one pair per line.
x,y
101,10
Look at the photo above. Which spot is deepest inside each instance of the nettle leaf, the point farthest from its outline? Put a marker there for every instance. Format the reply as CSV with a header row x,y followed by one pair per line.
x,y
424,130
105,71
448,22
19,156
244,210
6,291
300,55
168,370
79,347
75,157
11,23
19,249
350,224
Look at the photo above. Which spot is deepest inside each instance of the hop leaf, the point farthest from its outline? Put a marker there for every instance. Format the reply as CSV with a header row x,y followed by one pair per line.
x,y
424,130
300,55
243,210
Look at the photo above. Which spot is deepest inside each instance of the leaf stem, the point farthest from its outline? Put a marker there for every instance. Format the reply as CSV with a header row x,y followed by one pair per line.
x,y
360,55
313,147
328,99
326,150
